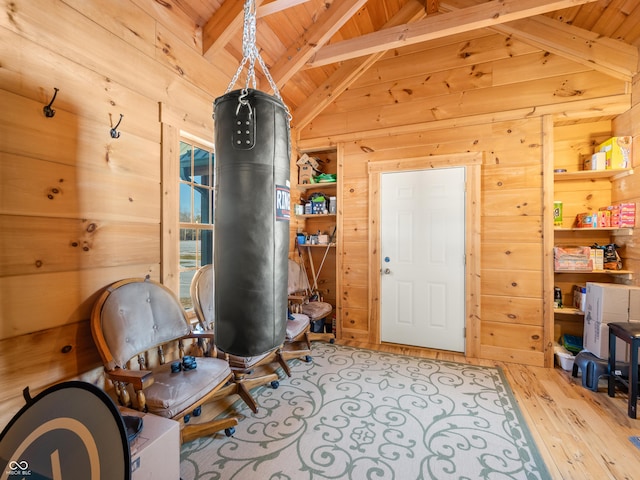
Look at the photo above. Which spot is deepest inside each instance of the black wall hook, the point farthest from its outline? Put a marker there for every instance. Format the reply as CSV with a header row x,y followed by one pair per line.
x,y
48,111
114,132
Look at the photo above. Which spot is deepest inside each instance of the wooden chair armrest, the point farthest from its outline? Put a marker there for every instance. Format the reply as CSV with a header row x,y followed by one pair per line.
x,y
138,378
297,298
205,335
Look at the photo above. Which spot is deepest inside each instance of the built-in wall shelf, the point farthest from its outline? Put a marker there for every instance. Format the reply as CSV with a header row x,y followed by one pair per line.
x,y
316,215
624,273
569,311
612,174
612,230
313,186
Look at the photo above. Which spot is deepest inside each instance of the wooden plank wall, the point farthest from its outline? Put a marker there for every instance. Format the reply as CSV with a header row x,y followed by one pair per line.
x,y
78,208
475,92
511,268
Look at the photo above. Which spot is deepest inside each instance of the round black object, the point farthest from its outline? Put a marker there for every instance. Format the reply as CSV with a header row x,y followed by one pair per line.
x,y
252,210
76,420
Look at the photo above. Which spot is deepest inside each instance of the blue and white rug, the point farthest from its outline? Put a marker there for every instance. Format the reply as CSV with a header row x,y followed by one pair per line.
x,y
361,414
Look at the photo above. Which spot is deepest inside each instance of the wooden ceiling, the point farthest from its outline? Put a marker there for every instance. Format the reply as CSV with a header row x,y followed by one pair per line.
x,y
314,49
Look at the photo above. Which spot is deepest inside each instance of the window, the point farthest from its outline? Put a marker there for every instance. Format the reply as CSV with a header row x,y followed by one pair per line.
x,y
195,212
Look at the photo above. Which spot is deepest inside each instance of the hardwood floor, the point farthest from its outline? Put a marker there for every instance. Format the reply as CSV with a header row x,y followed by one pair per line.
x,y
580,434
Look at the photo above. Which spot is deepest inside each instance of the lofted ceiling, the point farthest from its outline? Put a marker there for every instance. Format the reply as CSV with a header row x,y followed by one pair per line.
x,y
314,49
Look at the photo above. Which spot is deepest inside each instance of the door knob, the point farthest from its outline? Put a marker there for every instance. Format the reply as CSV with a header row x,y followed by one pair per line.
x,y
387,271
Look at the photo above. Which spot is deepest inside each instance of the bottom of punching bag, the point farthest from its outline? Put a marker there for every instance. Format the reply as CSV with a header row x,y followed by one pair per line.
x,y
249,340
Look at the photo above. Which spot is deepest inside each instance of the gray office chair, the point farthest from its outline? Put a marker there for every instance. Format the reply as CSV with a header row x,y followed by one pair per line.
x,y
248,371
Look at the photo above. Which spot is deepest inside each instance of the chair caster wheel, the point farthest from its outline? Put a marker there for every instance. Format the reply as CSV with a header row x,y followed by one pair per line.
x,y
308,358
187,417
197,412
275,384
229,431
332,341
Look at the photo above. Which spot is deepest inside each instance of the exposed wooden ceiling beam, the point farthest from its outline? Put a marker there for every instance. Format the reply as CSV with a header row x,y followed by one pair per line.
x,y
350,70
484,15
338,13
223,26
432,6
277,6
612,57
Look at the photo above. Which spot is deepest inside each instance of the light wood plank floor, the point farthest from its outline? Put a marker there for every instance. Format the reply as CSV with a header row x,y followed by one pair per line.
x,y
581,434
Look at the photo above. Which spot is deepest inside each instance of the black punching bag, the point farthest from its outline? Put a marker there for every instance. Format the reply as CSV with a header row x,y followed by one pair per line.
x,y
251,221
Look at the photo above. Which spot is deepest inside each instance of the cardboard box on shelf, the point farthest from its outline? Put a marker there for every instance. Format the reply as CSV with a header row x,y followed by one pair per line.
x,y
605,303
572,258
597,161
634,304
597,255
627,212
155,452
305,159
604,218
305,174
587,220
617,151
579,296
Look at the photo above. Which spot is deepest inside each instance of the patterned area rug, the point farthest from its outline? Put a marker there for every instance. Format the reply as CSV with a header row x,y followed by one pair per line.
x,y
360,414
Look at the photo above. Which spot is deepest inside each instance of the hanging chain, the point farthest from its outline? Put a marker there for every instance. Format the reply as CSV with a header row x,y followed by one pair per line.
x,y
250,52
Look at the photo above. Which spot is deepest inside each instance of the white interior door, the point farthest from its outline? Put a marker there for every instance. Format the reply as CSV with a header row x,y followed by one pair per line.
x,y
423,263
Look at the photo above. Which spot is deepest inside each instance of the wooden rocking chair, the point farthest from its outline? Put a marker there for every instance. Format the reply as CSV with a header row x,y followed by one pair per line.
x,y
145,340
303,314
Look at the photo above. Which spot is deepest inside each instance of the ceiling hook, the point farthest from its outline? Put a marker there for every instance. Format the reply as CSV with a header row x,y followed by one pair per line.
x,y
48,111
114,131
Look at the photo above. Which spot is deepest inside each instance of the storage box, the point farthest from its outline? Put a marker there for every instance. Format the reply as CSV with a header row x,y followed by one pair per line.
x,y
627,212
155,453
605,303
597,255
305,174
617,151
597,161
569,258
306,159
604,218
586,220
579,296
565,360
634,304
572,343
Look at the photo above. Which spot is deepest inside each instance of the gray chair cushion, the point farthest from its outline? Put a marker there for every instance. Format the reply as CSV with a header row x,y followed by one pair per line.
x,y
171,393
317,310
141,316
297,280
297,326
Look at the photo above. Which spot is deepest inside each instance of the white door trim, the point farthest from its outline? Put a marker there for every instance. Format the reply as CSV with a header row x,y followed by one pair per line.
x,y
473,162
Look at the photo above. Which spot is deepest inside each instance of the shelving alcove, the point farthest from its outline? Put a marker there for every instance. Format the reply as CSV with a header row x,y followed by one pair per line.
x,y
572,188
320,260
